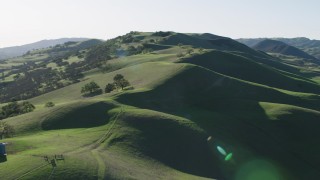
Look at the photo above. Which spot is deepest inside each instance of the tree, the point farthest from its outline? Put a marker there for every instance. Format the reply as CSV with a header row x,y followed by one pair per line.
x,y
119,81
117,77
91,88
26,107
6,130
109,88
123,83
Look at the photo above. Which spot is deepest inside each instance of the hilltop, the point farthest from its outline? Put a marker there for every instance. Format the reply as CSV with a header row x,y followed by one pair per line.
x,y
9,52
189,94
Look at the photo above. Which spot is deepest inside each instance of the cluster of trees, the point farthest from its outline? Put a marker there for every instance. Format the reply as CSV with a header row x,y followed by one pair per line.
x,y
118,82
93,88
6,130
14,108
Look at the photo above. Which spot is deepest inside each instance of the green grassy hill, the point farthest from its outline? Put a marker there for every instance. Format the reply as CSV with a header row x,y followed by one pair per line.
x,y
266,112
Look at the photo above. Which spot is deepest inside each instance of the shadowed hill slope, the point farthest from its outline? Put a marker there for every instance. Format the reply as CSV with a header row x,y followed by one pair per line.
x,y
247,69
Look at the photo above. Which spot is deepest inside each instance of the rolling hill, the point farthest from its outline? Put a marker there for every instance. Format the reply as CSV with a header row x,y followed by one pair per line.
x,y
189,95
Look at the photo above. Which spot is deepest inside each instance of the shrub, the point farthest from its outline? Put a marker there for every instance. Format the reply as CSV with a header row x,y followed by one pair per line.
x,y
49,104
6,130
26,107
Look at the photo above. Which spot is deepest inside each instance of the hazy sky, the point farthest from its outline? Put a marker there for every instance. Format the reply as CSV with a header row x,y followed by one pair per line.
x,y
26,21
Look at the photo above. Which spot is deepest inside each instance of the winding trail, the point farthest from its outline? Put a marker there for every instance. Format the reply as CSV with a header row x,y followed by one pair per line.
x,y
106,135
101,164
95,152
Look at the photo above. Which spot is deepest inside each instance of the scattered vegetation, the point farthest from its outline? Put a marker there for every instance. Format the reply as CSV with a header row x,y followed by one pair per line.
x,y
31,79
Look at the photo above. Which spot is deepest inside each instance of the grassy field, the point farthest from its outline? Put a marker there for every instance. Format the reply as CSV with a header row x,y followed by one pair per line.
x,y
263,111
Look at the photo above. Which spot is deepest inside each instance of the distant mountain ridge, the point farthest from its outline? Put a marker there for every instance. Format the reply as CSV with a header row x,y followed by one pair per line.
x,y
9,52
274,46
309,46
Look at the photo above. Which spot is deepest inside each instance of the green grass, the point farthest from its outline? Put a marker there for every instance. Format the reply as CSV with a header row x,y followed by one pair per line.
x,y
247,102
